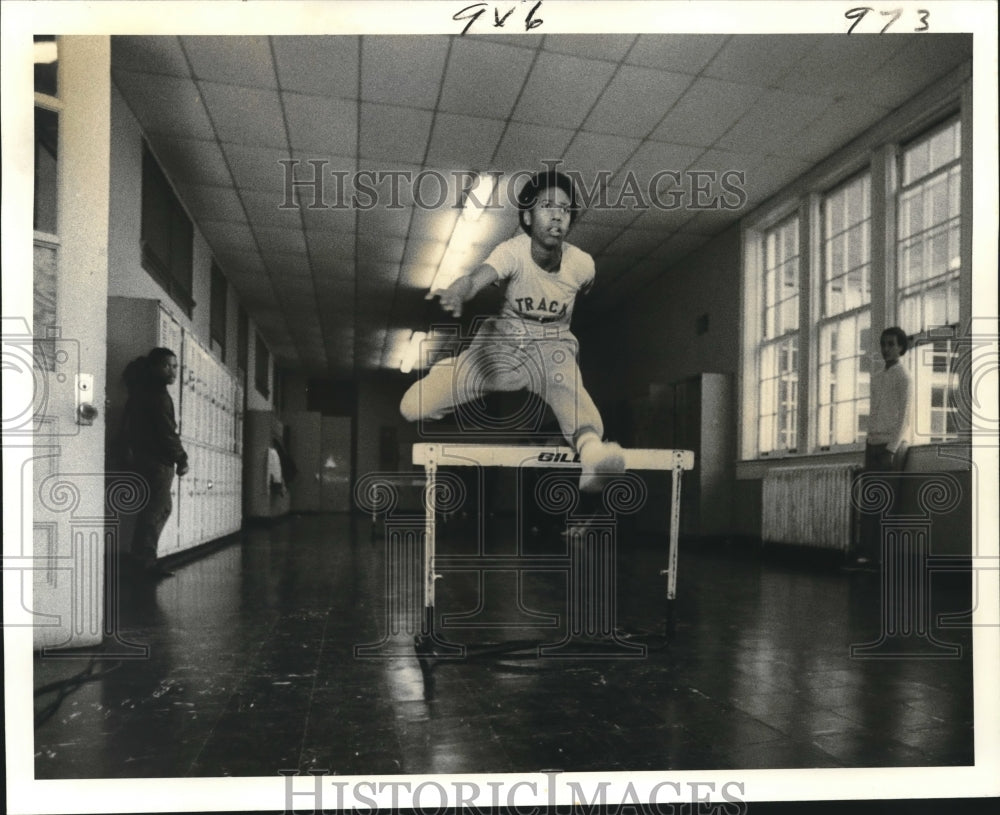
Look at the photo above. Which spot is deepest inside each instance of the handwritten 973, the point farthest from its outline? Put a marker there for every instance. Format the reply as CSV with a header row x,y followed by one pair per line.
x,y
501,13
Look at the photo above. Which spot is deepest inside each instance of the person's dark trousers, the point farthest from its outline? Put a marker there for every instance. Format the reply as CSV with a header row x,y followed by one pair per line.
x,y
879,460
153,517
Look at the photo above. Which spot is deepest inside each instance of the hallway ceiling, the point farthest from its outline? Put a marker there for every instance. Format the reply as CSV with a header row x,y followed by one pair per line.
x,y
336,290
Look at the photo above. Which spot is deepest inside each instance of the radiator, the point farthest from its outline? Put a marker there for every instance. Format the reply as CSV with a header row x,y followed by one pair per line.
x,y
809,505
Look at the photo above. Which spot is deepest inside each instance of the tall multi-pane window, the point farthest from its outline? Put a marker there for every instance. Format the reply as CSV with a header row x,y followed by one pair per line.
x,y
930,262
778,360
845,315
884,239
45,220
928,232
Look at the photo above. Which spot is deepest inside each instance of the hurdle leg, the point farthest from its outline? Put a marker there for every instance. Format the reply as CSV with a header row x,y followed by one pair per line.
x,y
675,523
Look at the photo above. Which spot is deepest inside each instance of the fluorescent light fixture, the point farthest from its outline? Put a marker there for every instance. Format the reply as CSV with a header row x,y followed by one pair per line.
x,y
478,197
412,354
453,262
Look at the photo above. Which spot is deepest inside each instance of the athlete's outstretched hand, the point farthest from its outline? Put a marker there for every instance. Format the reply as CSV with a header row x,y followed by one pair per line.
x,y
450,300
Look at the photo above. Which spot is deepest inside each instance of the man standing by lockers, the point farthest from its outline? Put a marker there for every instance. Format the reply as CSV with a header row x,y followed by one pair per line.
x,y
154,450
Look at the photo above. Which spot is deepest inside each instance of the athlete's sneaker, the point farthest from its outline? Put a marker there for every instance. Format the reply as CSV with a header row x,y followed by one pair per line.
x,y
599,460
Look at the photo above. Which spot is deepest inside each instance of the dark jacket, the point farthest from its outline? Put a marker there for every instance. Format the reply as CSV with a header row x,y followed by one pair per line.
x,y
151,428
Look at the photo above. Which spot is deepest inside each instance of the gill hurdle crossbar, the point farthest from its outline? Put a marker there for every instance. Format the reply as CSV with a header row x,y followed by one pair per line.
x,y
431,456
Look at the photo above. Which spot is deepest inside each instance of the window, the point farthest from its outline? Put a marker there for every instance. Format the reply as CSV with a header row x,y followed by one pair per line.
x,y
166,234
217,311
845,314
929,269
45,219
875,244
262,368
929,231
778,391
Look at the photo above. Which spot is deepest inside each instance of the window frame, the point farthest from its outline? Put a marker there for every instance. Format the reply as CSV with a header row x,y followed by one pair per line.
x,y
175,274
877,152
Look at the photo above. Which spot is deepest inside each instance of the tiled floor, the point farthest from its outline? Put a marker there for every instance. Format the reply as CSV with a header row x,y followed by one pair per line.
x,y
252,668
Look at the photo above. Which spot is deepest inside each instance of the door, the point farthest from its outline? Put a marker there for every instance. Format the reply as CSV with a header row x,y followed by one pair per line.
x,y
304,428
335,464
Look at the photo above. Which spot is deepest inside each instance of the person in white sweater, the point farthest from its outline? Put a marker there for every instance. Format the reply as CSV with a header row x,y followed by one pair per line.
x,y
888,421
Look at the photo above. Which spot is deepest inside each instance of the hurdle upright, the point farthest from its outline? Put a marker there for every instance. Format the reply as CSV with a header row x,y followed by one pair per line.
x,y
431,456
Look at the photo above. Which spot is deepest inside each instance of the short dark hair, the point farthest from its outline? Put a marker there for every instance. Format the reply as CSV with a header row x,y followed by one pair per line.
x,y
528,196
901,339
157,355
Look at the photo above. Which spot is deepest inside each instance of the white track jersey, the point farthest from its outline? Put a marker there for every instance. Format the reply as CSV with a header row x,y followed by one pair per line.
x,y
534,293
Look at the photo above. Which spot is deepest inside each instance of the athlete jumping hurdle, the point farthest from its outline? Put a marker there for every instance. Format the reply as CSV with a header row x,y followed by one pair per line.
x,y
529,345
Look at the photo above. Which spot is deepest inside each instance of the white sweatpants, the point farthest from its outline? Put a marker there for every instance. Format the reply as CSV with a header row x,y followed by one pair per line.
x,y
508,355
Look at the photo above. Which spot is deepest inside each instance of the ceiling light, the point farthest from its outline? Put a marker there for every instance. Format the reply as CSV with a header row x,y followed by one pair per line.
x,y
412,354
478,197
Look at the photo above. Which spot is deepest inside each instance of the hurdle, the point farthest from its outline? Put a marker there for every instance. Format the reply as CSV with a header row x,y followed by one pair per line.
x,y
432,456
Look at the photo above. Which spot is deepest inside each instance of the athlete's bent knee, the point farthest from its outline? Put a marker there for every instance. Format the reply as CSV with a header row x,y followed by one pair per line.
x,y
409,407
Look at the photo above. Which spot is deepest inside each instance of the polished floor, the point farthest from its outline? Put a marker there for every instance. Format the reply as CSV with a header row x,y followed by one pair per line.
x,y
292,647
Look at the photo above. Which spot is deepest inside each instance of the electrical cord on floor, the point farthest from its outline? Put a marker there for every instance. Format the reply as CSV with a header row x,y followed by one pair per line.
x,y
64,687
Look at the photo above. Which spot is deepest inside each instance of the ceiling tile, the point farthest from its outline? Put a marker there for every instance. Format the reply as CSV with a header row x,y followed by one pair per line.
x,y
239,261
323,124
636,100
906,72
324,66
259,168
562,89
839,124
215,203
245,115
330,218
667,220
526,146
678,245
434,225
239,60
756,130
403,70
680,53
484,78
191,160
382,222
166,104
154,55
381,248
265,209
858,59
463,143
394,133
706,110
593,153
226,236
278,241
760,59
593,46
592,238
648,167
424,252
326,245
636,242
417,276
